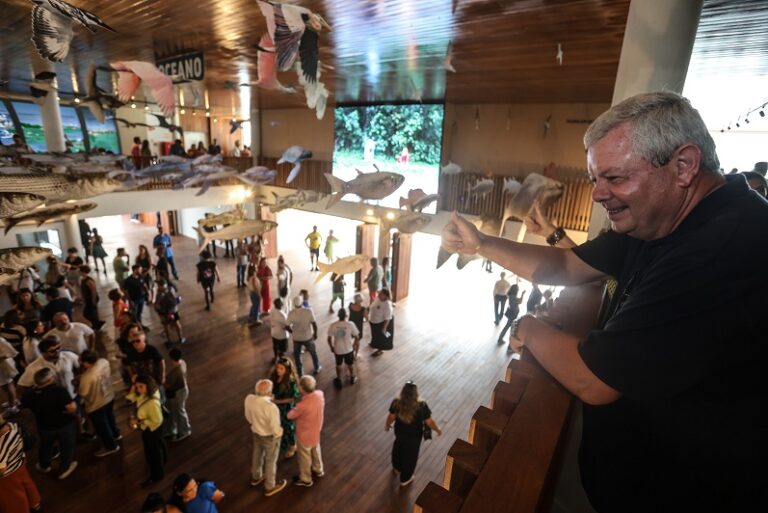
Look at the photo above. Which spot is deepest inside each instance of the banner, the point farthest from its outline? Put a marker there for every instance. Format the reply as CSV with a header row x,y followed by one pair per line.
x,y
189,66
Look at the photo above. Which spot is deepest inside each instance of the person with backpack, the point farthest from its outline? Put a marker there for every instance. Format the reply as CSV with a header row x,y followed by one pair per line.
x,y
207,275
167,307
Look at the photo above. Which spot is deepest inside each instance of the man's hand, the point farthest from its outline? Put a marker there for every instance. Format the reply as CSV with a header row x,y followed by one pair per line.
x,y
461,236
537,222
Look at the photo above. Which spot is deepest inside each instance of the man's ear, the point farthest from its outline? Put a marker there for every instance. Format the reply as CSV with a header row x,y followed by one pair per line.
x,y
687,161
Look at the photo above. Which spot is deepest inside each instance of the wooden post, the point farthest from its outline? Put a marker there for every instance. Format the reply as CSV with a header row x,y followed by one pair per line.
x,y
270,238
364,245
401,266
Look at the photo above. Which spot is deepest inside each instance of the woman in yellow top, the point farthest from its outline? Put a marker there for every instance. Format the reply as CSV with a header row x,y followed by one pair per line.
x,y
149,418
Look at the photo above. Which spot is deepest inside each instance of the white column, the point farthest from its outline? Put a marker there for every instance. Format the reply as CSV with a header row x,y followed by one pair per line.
x,y
657,46
255,130
72,235
49,110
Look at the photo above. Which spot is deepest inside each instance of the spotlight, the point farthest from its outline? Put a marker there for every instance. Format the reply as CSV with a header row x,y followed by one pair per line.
x,y
207,114
215,120
194,113
146,107
133,105
369,212
77,100
182,111
390,215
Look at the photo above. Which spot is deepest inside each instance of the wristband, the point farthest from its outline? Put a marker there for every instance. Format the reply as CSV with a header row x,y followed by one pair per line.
x,y
557,236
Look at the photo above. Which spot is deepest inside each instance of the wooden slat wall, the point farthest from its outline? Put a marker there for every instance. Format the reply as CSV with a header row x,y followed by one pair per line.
x,y
572,211
310,178
401,266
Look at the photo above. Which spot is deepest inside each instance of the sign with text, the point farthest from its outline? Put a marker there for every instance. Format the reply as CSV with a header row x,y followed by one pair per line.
x,y
190,66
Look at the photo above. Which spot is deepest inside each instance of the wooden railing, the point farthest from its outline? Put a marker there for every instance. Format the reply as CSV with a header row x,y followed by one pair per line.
x,y
572,210
511,459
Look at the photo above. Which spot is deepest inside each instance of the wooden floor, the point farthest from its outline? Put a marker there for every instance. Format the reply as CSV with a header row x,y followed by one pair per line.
x,y
444,341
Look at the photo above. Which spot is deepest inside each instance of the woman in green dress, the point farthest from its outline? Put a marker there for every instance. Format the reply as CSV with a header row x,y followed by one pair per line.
x,y
286,390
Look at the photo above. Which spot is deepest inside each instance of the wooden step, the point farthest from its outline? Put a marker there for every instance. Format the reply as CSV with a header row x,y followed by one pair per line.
x,y
462,466
486,427
436,499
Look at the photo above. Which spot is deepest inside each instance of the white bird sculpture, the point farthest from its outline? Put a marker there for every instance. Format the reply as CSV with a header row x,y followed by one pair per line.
x,y
52,22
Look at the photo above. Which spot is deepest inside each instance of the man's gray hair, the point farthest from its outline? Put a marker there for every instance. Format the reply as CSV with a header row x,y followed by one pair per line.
x,y
43,376
308,384
264,387
659,123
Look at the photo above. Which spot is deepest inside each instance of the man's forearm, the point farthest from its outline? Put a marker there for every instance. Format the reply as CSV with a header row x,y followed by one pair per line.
x,y
558,353
538,264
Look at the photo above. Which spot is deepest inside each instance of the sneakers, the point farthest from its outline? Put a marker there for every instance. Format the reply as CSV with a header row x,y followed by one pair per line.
x,y
106,452
318,474
406,483
183,340
278,487
179,438
88,436
44,470
118,437
337,382
298,482
257,482
352,380
66,473
319,368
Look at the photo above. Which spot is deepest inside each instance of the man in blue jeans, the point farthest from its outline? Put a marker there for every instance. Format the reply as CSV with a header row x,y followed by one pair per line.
x,y
302,322
163,239
54,411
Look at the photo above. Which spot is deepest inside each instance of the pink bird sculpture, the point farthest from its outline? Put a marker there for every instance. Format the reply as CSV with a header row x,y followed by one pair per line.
x,y
267,67
133,73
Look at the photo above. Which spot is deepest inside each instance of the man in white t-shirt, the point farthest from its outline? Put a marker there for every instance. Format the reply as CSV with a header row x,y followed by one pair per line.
x,y
344,340
500,289
73,336
63,363
304,328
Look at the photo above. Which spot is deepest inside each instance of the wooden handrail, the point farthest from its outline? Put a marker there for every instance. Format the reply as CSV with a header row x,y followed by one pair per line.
x,y
511,460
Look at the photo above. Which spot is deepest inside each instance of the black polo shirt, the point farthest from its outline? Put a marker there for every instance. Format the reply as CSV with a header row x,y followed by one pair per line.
x,y
684,343
48,404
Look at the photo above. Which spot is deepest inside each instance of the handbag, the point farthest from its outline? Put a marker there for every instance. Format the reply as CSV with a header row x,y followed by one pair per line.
x,y
427,432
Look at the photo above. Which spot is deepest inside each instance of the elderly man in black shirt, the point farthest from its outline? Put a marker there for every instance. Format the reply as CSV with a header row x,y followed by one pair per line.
x,y
672,383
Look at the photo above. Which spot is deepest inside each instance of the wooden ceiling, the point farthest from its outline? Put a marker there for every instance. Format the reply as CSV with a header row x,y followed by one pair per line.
x,y
378,51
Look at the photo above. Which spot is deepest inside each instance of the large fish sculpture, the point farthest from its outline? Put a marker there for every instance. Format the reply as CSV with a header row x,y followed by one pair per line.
x,y
482,187
229,217
240,230
417,200
410,222
486,225
257,175
451,169
57,188
535,188
8,275
44,215
12,203
21,258
368,186
342,266
296,199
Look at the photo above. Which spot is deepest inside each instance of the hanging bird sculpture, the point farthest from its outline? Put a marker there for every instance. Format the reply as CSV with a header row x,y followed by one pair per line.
x,y
295,155
236,124
163,123
134,73
52,22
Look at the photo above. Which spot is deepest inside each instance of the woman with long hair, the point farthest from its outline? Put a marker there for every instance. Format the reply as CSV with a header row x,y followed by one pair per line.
x,y
28,306
286,392
513,310
97,250
144,259
149,419
284,279
146,151
120,311
410,415
192,496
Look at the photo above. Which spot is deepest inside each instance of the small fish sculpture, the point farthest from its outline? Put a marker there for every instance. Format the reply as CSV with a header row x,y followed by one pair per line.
x,y
417,200
44,215
342,266
240,230
512,186
451,169
535,188
410,222
482,187
257,175
487,225
368,186
12,203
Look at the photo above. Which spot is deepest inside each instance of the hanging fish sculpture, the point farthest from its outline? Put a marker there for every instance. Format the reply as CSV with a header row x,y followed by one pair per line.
x,y
535,188
240,230
57,188
410,222
12,203
487,225
229,217
44,215
417,200
368,186
342,266
21,258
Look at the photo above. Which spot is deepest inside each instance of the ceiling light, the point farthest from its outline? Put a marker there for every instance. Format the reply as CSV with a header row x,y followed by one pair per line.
x,y
133,98
390,215
194,113
215,120
77,100
207,114
133,105
369,212
146,107
182,111
58,98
